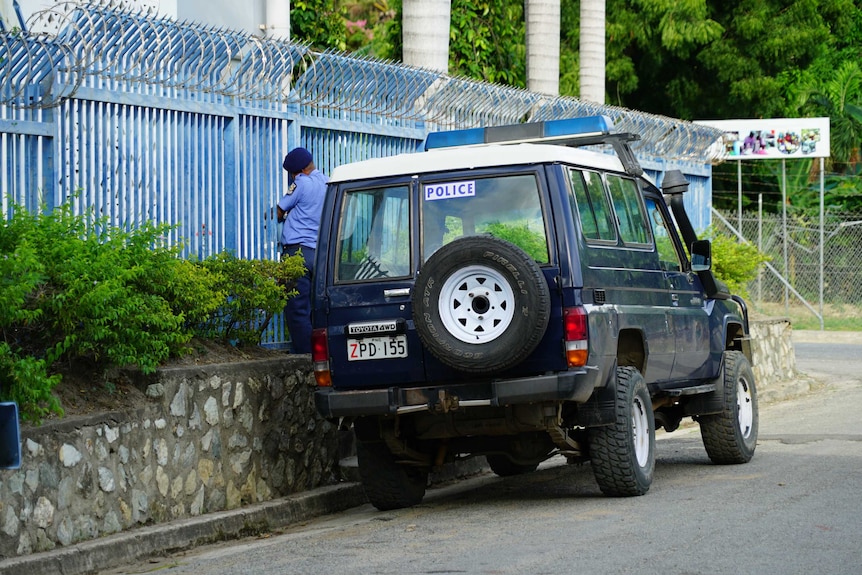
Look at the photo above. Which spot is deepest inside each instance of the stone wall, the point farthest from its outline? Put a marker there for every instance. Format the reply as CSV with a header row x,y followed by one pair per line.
x,y
773,359
213,438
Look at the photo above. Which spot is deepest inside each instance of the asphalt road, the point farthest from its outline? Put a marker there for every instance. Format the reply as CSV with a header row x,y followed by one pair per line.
x,y
794,509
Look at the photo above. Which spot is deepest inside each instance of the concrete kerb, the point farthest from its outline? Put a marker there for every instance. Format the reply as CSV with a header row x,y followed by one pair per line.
x,y
813,336
135,545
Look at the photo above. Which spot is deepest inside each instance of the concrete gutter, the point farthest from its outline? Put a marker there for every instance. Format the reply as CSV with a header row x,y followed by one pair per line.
x,y
138,544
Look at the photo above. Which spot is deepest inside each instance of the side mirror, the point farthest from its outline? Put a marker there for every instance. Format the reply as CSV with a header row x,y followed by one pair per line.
x,y
701,256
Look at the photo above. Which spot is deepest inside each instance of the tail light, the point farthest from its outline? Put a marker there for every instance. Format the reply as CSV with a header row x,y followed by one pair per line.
x,y
575,331
320,357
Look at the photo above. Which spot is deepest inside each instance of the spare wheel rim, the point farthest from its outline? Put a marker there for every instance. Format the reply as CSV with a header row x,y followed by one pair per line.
x,y
476,304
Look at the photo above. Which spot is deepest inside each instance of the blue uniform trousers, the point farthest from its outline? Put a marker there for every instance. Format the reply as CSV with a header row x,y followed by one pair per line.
x,y
297,312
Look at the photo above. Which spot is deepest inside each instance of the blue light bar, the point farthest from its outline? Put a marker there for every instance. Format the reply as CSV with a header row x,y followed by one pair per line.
x,y
548,131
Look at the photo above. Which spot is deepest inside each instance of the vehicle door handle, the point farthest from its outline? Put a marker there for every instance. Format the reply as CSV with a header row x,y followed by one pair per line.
x,y
396,292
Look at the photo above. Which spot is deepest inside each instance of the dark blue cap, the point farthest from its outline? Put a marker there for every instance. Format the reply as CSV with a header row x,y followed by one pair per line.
x,y
297,160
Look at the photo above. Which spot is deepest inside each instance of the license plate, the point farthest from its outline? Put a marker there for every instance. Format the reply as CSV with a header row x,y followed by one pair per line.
x,y
377,347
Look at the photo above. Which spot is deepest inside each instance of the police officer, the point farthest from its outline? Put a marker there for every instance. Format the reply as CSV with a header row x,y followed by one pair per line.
x,y
300,210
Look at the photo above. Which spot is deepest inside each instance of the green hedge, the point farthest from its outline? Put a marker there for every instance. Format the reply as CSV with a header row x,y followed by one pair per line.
x,y
76,289
734,262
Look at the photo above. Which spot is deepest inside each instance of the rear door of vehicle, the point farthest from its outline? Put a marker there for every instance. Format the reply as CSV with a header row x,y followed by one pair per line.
x,y
511,203
367,306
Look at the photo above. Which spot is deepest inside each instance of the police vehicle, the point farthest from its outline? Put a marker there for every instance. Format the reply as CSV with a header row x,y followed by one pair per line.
x,y
508,293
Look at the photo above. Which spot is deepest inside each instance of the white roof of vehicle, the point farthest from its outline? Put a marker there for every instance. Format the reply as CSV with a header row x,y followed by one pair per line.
x,y
470,157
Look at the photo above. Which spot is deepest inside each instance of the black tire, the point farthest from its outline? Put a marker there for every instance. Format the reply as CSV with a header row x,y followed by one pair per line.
x,y
387,484
623,454
731,436
481,304
505,467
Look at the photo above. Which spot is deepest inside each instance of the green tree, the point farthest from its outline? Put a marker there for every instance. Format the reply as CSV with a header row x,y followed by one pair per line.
x,y
372,27
320,23
839,96
486,41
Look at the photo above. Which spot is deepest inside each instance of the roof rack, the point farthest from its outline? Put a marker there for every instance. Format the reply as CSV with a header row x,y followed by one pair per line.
x,y
572,132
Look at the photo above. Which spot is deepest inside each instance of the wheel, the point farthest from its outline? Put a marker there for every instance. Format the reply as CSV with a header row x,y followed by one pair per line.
x,y
505,467
387,484
623,454
731,436
481,304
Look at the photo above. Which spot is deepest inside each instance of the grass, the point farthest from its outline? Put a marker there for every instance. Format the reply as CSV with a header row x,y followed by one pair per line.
x,y
836,317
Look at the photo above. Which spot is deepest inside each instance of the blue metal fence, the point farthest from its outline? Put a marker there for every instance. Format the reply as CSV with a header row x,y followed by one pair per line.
x,y
153,119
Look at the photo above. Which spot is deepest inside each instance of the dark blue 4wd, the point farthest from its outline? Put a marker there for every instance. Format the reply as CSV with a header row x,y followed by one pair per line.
x,y
507,293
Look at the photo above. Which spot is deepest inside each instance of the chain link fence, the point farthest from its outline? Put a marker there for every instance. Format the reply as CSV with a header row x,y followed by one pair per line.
x,y
795,253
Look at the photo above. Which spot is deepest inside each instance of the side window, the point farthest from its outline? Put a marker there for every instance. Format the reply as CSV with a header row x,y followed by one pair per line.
x,y
590,203
662,230
506,207
627,206
374,237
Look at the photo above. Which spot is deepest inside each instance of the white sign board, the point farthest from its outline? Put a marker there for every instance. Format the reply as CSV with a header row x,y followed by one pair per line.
x,y
773,138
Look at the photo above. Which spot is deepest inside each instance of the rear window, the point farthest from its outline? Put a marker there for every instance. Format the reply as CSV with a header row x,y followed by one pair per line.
x,y
374,234
507,207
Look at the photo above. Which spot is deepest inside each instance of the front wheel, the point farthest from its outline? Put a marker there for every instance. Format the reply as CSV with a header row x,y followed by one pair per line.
x,y
388,484
623,454
731,435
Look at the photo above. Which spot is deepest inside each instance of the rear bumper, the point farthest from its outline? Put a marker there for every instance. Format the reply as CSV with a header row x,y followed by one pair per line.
x,y
576,385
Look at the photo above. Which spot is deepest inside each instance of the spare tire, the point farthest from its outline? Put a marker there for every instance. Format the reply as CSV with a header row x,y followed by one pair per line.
x,y
481,304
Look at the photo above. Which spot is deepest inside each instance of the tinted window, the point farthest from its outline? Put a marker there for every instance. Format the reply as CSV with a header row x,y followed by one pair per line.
x,y
591,204
374,237
629,211
507,207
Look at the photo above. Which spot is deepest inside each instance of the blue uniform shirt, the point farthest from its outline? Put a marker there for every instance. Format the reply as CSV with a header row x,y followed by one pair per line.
x,y
302,205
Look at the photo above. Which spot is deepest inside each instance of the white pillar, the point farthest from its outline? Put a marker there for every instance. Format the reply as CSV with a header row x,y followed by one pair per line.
x,y
278,19
425,33
592,48
543,46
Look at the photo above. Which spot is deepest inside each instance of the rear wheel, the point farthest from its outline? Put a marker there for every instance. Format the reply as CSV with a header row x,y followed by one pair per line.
x,y
388,484
731,436
623,454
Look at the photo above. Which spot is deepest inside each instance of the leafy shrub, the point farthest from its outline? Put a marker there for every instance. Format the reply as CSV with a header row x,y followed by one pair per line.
x,y
254,291
735,263
75,289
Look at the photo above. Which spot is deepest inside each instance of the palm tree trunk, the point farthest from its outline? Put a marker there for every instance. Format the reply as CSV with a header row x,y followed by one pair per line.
x,y
593,51
543,46
425,31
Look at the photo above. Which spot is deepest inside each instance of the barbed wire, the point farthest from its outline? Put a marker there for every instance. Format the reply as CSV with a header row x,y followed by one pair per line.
x,y
120,45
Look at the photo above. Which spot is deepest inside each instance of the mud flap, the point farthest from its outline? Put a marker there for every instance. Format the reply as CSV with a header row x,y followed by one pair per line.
x,y
708,403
